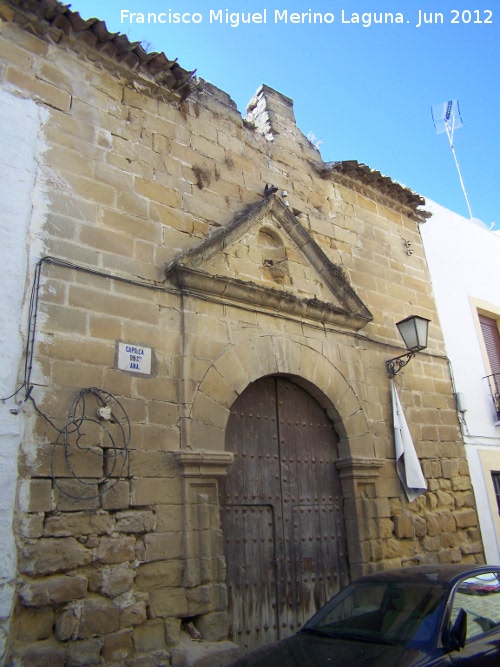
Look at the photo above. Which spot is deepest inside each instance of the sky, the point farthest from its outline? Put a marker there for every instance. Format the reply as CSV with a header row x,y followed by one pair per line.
x,y
362,91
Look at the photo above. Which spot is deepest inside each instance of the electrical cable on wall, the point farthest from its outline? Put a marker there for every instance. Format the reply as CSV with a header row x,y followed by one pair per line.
x,y
30,342
82,434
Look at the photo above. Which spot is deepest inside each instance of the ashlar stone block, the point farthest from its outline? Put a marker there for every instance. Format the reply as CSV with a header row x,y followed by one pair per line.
x,y
150,491
118,646
53,591
169,518
116,581
66,625
99,616
114,550
33,625
172,631
84,653
135,522
403,526
116,495
77,524
214,626
47,653
164,546
35,495
152,464
151,576
133,614
45,92
52,555
150,636
72,495
466,518
166,602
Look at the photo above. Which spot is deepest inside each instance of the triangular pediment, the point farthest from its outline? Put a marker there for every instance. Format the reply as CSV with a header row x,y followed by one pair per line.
x,y
267,258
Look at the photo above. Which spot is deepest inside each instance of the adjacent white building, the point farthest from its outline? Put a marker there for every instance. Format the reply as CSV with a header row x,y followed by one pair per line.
x,y
464,261
20,151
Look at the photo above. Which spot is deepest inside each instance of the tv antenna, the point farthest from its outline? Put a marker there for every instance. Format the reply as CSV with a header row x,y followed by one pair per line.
x,y
446,117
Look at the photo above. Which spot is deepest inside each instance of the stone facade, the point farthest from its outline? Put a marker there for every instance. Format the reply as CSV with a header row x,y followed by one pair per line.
x,y
149,207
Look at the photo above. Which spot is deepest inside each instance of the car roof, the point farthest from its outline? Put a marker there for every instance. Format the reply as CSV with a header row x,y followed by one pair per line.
x,y
434,573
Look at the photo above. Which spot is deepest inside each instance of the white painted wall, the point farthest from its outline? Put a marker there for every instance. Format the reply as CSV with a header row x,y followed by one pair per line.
x,y
464,262
19,131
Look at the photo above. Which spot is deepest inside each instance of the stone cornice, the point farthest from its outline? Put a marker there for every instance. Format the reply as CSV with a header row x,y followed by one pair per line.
x,y
359,467
232,290
203,463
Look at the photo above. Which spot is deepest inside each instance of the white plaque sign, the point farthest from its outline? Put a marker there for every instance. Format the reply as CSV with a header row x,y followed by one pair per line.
x,y
134,358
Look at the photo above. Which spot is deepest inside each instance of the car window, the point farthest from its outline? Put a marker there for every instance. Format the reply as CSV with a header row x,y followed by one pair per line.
x,y
405,613
361,600
479,597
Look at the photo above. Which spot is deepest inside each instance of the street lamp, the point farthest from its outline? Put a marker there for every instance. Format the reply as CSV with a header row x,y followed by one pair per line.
x,y
413,331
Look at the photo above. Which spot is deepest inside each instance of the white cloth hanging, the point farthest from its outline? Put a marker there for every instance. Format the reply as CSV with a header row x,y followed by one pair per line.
x,y
407,463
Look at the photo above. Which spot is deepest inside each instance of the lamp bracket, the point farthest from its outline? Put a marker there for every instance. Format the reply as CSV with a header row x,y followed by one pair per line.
x,y
396,364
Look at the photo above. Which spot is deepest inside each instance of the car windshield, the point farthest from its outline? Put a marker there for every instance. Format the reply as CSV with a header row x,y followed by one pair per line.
x,y
398,613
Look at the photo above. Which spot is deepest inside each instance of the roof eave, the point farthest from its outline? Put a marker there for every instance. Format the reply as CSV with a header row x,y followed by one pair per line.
x,y
373,184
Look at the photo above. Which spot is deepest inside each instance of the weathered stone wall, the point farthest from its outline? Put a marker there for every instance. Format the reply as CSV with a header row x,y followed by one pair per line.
x,y
117,552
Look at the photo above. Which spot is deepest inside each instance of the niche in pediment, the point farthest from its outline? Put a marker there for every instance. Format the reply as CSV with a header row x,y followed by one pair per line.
x,y
274,256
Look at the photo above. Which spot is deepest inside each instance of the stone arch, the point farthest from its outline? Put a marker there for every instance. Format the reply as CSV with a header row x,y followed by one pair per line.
x,y
239,366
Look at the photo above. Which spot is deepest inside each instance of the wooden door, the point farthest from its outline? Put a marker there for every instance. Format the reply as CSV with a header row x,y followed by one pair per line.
x,y
281,512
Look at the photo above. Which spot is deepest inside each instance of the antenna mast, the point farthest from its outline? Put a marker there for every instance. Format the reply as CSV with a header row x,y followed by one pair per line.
x,y
446,117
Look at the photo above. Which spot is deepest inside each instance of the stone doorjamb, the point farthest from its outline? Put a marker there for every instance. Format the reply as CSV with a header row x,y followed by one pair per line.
x,y
363,508
200,471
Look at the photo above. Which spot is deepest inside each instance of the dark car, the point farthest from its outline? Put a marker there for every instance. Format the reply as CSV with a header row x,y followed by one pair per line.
x,y
412,617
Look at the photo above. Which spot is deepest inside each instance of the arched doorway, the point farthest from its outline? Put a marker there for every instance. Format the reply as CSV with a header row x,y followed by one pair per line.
x,y
281,509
